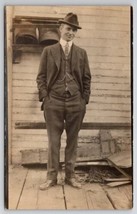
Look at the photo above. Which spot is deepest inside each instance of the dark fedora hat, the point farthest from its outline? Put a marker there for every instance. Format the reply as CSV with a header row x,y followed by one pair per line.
x,y
71,19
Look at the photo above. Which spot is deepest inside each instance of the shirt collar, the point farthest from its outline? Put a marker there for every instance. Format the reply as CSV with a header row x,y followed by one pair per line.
x,y
63,43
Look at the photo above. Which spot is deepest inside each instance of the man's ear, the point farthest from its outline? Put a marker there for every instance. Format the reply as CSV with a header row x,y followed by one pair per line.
x,y
60,27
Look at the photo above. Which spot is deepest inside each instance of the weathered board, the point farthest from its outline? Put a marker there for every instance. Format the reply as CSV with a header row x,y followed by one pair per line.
x,y
16,180
24,193
96,199
51,199
28,198
118,198
75,198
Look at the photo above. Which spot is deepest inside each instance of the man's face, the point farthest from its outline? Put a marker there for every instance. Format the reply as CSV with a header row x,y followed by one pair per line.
x,y
67,32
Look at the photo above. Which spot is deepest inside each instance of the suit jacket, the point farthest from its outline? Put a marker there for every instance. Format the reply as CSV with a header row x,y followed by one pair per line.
x,y
50,66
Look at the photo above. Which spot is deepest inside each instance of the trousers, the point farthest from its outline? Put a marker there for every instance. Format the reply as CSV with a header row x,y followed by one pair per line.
x,y
65,112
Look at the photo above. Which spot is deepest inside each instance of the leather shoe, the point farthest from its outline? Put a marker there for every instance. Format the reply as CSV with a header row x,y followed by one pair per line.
x,y
73,182
48,184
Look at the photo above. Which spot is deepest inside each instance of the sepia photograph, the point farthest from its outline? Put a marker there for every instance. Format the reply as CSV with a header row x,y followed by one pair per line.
x,y
68,107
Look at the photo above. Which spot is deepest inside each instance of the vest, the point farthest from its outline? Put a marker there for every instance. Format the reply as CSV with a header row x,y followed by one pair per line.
x,y
65,81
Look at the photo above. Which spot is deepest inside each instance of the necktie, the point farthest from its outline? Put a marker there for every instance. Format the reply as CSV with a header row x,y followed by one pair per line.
x,y
66,50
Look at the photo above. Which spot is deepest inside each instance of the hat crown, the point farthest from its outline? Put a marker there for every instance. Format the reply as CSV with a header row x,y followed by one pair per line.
x,y
71,19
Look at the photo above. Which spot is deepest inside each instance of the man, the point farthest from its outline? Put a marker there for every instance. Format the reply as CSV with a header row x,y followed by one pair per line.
x,y
64,88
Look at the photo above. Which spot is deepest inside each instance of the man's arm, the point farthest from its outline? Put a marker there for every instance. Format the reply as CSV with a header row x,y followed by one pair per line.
x,y
42,77
86,79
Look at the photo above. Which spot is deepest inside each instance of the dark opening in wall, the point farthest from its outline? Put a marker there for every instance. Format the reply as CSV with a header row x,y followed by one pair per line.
x,y
25,35
35,30
32,34
48,36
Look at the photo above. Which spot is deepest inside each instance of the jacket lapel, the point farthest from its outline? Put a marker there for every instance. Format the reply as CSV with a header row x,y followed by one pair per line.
x,y
55,51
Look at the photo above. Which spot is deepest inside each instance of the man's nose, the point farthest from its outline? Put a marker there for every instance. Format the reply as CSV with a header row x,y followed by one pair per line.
x,y
71,32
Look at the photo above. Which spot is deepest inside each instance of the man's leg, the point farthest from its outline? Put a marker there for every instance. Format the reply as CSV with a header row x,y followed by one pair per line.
x,y
54,118
73,125
75,111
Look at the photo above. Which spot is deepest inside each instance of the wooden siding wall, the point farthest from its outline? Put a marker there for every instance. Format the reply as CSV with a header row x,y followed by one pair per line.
x,y
105,35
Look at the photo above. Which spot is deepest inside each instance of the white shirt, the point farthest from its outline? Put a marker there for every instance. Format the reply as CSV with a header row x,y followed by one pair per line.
x,y
63,44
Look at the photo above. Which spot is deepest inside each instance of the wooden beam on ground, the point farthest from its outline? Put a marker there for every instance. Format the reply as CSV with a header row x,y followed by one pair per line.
x,y
118,183
86,125
115,179
92,163
122,159
119,169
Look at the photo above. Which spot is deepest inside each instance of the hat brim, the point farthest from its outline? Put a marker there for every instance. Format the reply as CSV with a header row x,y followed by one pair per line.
x,y
68,23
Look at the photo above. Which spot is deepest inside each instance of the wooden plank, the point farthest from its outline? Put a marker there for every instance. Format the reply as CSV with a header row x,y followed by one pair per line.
x,y
121,133
96,99
40,125
116,179
88,118
29,196
39,117
109,93
103,26
118,198
75,198
109,59
20,95
85,10
31,68
33,139
103,42
110,80
95,85
27,90
19,146
50,9
128,191
61,12
51,199
100,43
107,99
17,177
122,159
108,72
102,51
115,66
104,19
93,107
96,197
118,183
110,86
31,77
107,51
107,119
112,72
82,134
